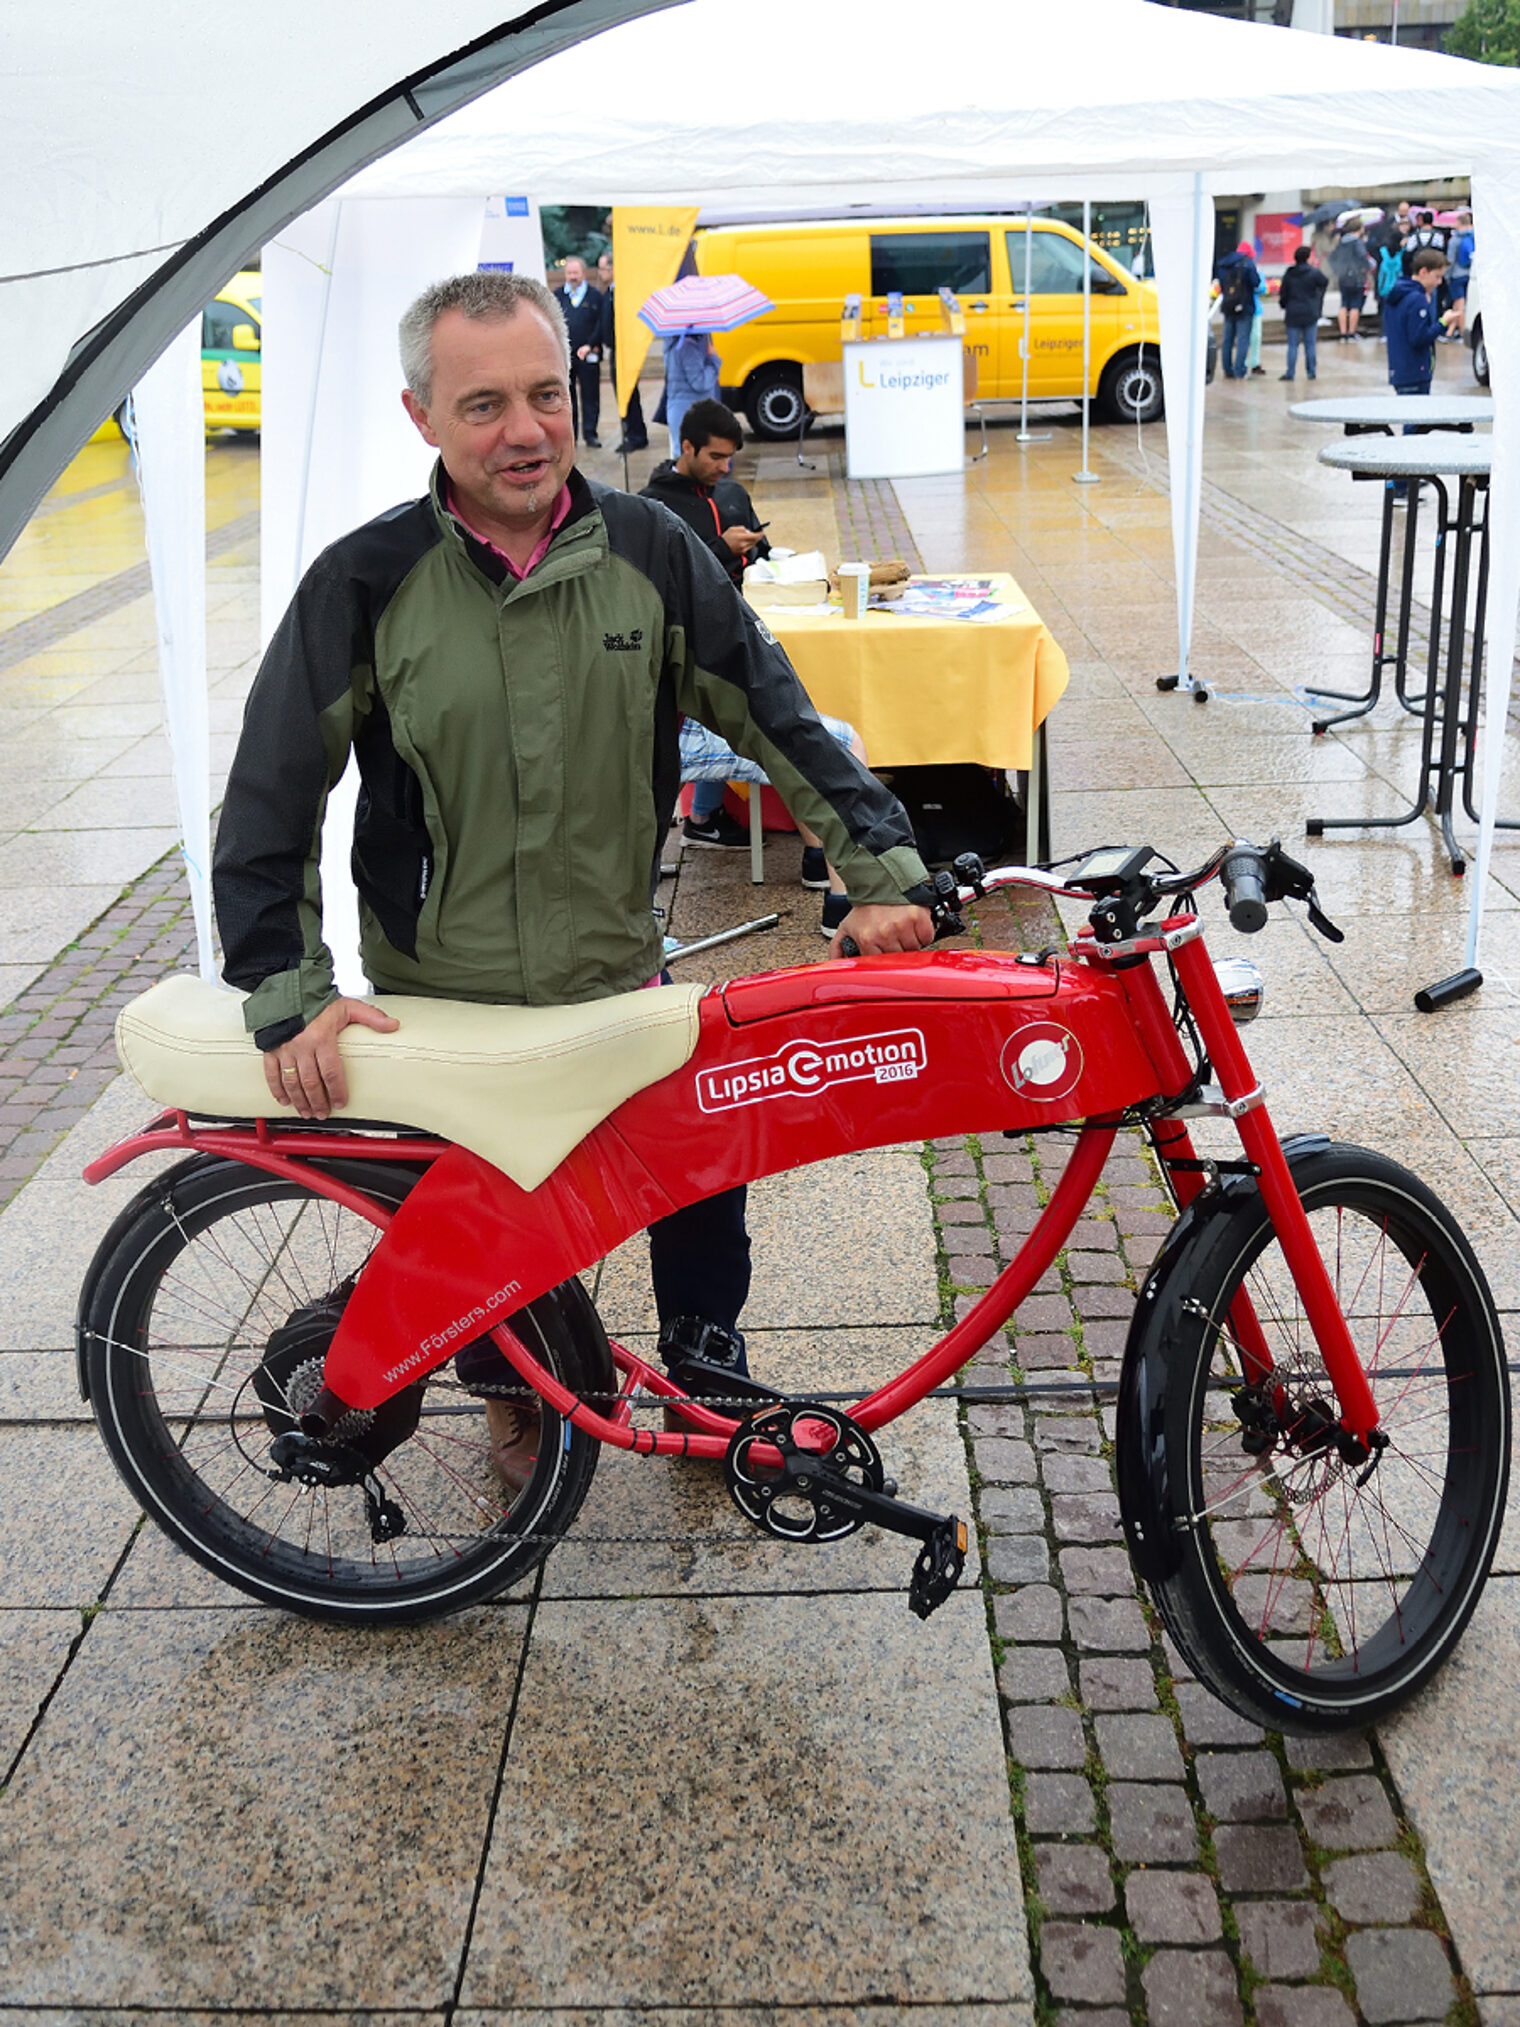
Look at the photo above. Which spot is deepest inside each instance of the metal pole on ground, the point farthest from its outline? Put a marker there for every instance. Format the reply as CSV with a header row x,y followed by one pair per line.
x,y
1086,477
1024,435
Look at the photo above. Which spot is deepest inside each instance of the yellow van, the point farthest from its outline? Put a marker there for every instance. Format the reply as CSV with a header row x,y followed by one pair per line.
x,y
807,270
231,369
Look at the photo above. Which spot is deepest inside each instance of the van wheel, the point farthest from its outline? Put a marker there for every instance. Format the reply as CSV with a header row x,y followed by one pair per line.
x,y
773,401
1480,355
1130,390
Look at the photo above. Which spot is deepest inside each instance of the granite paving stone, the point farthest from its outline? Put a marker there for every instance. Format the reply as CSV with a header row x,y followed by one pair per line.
x,y
1082,1962
1001,1461
1099,1572
1033,1613
1018,1559
1074,1878
765,1696
1302,2006
1241,1787
1012,1509
1151,1825
1401,1974
1281,1937
1112,1682
1085,1516
239,1810
1190,1988
1047,1736
1329,1752
1034,1675
1138,1747
1208,1722
1109,1625
1378,1886
1259,1859
1172,1907
1058,1805
1064,1471
1351,1814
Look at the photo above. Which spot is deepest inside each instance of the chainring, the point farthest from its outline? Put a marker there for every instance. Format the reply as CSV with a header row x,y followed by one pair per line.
x,y
775,1466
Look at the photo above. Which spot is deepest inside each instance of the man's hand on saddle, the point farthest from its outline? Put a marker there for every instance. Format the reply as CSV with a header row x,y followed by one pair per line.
x,y
877,930
307,1071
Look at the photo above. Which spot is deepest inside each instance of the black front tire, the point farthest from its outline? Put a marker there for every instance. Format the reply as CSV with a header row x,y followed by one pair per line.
x,y
191,1284
1308,1600
1479,354
1131,389
774,404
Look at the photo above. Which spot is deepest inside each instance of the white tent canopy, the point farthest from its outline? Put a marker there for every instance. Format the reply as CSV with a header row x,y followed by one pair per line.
x,y
131,134
989,105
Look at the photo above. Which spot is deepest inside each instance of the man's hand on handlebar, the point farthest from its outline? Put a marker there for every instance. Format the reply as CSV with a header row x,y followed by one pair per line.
x,y
875,930
307,1071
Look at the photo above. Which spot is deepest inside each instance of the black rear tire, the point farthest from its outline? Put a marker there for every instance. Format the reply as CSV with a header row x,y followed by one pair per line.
x,y
1307,1600
773,401
191,1284
1131,389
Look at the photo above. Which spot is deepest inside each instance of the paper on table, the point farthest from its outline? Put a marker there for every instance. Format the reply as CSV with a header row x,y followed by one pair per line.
x,y
789,569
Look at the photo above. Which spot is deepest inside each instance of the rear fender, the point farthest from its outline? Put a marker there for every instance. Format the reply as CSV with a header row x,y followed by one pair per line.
x,y
1143,1465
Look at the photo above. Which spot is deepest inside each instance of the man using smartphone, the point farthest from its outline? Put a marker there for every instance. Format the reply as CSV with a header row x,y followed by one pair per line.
x,y
696,485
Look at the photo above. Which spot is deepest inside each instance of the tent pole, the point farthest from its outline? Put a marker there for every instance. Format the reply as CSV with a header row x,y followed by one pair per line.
x,y
1086,477
1024,435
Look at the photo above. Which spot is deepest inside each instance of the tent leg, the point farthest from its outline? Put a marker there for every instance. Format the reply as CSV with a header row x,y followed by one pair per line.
x,y
1086,477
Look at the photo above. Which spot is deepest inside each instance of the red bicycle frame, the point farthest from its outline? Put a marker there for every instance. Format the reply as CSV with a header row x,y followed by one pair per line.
x,y
793,1067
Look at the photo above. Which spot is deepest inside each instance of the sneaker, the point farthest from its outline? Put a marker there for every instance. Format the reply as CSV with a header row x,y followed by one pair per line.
x,y
1289,376
1258,369
514,1431
815,869
835,908
717,832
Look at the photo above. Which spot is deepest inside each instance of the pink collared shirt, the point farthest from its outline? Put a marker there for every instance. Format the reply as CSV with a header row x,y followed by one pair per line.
x,y
556,522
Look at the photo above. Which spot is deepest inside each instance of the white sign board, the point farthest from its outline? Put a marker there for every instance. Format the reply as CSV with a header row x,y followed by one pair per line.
x,y
904,415
511,239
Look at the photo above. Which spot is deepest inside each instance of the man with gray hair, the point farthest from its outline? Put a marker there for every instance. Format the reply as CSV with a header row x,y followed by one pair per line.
x,y
509,660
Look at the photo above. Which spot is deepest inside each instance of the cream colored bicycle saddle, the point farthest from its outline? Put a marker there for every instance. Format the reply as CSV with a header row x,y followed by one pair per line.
x,y
519,1086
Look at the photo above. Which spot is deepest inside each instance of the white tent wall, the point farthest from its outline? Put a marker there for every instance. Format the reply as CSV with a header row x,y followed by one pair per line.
x,y
1496,220
169,412
338,448
1182,241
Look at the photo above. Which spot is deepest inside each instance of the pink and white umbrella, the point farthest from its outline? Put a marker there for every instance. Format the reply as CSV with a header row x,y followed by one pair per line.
x,y
704,302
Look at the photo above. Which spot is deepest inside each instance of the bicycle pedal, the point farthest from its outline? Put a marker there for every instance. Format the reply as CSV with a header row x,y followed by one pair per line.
x,y
937,1570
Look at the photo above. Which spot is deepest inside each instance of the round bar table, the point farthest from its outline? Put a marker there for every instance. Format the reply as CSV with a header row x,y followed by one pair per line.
x,y
1436,460
1386,415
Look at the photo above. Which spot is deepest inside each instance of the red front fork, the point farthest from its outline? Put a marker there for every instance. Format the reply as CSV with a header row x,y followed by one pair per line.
x,y
1359,1415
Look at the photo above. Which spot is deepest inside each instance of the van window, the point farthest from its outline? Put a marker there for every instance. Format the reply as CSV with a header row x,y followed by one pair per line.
x,y
218,321
923,263
1055,266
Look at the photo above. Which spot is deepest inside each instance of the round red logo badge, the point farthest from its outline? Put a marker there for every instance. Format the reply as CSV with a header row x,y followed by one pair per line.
x,y
1042,1060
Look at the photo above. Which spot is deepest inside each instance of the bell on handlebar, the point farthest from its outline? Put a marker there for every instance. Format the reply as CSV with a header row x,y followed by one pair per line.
x,y
1244,988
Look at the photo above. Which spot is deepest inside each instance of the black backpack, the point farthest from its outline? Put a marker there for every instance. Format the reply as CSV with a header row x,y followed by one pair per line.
x,y
1237,294
959,807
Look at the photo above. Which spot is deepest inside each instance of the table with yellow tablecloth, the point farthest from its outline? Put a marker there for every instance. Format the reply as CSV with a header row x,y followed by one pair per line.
x,y
923,690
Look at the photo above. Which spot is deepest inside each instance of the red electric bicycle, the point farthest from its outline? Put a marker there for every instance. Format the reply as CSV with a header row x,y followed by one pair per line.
x,y
289,1337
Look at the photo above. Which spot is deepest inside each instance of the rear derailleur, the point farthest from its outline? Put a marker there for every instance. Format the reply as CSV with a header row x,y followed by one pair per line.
x,y
802,1471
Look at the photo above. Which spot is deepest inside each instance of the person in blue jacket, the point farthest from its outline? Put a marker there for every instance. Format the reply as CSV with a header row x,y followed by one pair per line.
x,y
691,375
1411,324
1239,280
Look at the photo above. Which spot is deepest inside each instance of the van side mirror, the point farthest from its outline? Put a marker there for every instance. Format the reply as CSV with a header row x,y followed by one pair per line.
x,y
1107,284
244,338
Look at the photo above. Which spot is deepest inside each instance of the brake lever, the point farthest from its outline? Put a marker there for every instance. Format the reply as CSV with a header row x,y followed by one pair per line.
x,y
1287,880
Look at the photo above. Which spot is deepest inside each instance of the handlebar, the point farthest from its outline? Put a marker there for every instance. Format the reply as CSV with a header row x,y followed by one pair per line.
x,y
1122,889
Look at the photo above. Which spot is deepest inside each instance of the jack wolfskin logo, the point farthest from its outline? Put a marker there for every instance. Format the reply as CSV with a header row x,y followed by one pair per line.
x,y
624,643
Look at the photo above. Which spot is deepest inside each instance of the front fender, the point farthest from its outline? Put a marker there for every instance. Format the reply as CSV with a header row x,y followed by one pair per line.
x,y
1142,1465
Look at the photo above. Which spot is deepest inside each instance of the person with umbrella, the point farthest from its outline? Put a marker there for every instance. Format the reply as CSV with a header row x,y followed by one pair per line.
x,y
685,315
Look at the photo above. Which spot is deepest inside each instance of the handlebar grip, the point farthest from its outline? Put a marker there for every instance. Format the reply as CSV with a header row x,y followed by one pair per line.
x,y
1245,890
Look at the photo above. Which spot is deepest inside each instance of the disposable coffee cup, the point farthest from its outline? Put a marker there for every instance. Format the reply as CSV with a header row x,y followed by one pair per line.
x,y
854,588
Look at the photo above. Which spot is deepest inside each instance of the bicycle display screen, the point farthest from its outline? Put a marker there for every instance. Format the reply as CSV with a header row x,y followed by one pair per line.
x,y
1105,871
